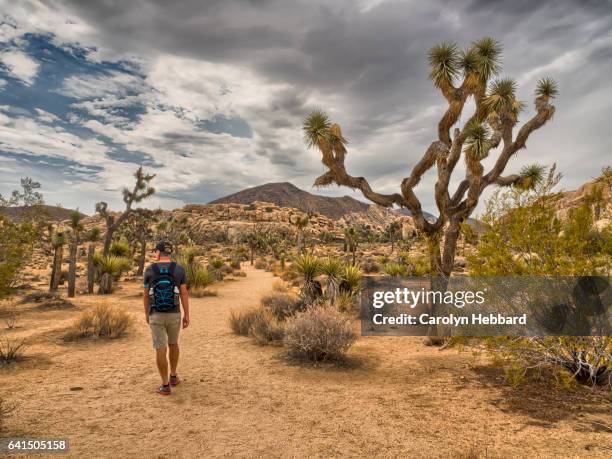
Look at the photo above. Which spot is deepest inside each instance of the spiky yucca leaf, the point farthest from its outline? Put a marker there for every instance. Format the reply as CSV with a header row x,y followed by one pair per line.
x,y
308,265
332,267
531,176
469,64
489,56
94,234
111,264
120,249
445,63
502,94
478,141
353,277
316,128
395,270
547,87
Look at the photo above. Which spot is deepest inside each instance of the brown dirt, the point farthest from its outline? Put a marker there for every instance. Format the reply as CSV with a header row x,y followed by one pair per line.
x,y
396,398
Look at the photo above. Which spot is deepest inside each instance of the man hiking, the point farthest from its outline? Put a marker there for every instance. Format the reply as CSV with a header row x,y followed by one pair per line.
x,y
165,289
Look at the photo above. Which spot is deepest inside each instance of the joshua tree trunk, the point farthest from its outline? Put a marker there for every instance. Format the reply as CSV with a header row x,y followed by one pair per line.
x,y
91,270
331,290
106,284
143,251
300,241
56,272
74,244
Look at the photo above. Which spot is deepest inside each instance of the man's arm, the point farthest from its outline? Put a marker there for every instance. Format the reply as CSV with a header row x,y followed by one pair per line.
x,y
185,302
145,300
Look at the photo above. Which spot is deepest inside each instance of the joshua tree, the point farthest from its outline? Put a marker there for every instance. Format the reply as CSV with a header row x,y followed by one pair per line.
x,y
459,76
393,232
141,191
92,237
256,240
58,239
300,221
77,227
351,241
139,231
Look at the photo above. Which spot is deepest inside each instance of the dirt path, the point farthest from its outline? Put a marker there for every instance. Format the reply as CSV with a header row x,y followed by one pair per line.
x,y
237,399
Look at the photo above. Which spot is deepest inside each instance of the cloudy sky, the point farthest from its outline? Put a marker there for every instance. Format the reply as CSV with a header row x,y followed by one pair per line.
x,y
210,95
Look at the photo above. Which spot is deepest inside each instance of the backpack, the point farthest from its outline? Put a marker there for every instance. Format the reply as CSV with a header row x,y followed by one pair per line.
x,y
163,291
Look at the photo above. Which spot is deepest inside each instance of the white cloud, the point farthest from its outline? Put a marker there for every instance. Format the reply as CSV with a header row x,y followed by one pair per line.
x,y
20,65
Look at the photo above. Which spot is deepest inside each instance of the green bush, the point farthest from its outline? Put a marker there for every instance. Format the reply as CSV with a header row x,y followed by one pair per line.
x,y
395,270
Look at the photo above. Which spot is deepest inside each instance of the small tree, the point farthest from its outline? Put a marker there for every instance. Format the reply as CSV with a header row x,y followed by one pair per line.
x,y
16,240
77,227
300,221
141,191
26,198
92,237
392,233
255,239
459,76
58,240
351,242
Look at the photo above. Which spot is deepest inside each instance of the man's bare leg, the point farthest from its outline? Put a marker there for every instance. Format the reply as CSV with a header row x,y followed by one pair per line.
x,y
162,364
174,356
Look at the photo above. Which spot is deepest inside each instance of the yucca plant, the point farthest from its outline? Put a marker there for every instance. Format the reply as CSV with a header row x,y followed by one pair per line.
x,y
309,267
332,268
198,277
110,268
395,270
353,276
120,249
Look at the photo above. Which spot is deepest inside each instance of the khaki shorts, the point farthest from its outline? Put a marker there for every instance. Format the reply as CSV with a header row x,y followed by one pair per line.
x,y
165,328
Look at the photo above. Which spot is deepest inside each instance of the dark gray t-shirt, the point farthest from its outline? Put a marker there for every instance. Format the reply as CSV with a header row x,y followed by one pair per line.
x,y
180,278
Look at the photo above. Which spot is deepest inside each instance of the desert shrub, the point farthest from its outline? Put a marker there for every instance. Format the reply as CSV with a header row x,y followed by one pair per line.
x,y
11,350
109,268
240,274
16,240
345,301
395,270
319,333
280,287
226,269
587,359
215,264
240,321
235,263
282,305
199,277
120,249
370,266
260,264
103,322
266,329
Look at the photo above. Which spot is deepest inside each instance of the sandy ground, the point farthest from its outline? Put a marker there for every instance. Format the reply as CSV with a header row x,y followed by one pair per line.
x,y
399,398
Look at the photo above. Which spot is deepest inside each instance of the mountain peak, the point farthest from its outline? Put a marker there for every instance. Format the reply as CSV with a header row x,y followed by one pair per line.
x,y
286,194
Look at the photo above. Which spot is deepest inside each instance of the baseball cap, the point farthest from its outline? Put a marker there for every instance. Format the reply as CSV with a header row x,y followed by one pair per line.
x,y
164,247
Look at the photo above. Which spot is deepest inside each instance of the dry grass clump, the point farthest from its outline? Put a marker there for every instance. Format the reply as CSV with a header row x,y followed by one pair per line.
x,y
369,265
11,350
280,287
265,329
202,293
240,321
319,333
103,322
240,274
283,305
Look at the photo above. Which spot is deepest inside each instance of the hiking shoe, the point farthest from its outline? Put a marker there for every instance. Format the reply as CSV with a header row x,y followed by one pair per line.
x,y
164,390
174,380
